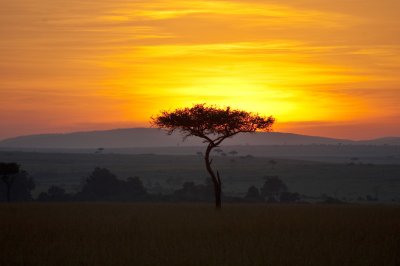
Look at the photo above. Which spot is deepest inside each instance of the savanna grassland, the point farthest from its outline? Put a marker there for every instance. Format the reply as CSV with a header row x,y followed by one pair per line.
x,y
194,234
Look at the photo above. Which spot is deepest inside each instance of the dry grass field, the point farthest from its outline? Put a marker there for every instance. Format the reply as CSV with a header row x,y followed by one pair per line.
x,y
190,234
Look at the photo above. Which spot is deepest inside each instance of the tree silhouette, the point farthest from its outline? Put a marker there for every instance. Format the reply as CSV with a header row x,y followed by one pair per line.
x,y
272,187
102,185
213,125
8,172
55,193
253,194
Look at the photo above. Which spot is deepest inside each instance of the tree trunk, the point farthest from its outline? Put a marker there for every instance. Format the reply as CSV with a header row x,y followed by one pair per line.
x,y
215,177
218,192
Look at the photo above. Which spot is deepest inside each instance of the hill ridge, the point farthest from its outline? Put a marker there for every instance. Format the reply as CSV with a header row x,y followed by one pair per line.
x,y
152,137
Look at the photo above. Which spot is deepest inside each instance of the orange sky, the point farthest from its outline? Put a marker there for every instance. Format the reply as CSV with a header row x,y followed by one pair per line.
x,y
327,68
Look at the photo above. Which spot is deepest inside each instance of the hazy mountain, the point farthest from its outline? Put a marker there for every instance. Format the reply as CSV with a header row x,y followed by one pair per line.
x,y
150,137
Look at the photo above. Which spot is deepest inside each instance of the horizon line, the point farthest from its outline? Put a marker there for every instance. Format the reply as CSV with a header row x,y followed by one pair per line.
x,y
141,127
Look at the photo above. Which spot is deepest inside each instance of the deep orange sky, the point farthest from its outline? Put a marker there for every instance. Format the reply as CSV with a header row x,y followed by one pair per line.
x,y
327,68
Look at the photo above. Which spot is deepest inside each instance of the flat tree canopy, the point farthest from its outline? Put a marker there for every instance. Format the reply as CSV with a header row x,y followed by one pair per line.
x,y
213,125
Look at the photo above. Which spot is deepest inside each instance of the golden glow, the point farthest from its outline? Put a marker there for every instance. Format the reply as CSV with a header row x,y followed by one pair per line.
x,y
70,65
244,75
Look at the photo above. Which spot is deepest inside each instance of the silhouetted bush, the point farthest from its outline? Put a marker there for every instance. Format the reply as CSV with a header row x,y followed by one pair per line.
x,y
133,189
253,195
192,192
55,193
331,200
102,185
286,196
371,198
20,187
272,188
174,181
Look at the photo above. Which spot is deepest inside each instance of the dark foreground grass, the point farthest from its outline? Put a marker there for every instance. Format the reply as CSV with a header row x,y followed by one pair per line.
x,y
162,234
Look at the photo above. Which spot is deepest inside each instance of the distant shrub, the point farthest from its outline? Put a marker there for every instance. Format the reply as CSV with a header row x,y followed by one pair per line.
x,y
102,185
55,193
272,188
253,195
332,200
286,196
194,192
20,187
371,198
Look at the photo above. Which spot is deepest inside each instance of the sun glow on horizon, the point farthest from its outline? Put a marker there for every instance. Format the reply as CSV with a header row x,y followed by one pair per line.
x,y
252,77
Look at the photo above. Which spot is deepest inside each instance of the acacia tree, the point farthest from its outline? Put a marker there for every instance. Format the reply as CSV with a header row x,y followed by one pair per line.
x,y
7,173
213,125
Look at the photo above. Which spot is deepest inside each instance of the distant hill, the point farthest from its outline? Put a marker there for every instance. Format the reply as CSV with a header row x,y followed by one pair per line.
x,y
150,137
